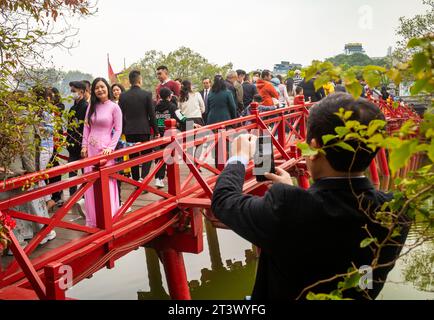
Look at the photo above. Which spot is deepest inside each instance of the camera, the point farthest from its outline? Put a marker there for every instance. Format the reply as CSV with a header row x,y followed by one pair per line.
x,y
263,158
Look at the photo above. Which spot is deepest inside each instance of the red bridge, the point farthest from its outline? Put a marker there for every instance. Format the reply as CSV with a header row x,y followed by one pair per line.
x,y
169,220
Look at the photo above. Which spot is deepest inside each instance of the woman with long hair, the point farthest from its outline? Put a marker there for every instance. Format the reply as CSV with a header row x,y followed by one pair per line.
x,y
102,130
221,103
191,103
117,90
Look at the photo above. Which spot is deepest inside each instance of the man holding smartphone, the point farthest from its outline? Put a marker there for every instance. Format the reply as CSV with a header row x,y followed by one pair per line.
x,y
307,236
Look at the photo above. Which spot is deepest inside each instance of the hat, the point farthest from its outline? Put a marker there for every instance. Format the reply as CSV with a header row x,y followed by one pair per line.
x,y
78,84
297,72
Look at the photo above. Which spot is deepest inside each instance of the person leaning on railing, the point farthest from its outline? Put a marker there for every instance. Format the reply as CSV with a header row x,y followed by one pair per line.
x,y
307,236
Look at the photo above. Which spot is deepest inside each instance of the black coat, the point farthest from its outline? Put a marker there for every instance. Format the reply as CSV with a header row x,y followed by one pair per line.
x,y
75,135
305,235
138,112
309,91
249,90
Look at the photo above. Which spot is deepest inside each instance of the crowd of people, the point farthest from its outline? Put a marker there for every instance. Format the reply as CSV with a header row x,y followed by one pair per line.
x,y
288,223
109,117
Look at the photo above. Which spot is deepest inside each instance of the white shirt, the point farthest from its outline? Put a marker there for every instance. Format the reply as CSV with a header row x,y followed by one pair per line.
x,y
193,107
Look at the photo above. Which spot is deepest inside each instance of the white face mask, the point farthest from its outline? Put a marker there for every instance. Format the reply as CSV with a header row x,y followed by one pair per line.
x,y
75,95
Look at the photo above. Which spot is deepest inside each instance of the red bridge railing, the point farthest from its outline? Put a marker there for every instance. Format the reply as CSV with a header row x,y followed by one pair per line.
x,y
172,224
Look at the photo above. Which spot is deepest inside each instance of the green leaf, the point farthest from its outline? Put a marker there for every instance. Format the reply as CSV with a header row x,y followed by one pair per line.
x,y
342,131
373,78
418,86
374,125
352,136
431,151
345,146
420,62
366,242
348,115
355,89
352,124
327,138
400,155
320,81
394,75
415,42
306,150
375,68
376,139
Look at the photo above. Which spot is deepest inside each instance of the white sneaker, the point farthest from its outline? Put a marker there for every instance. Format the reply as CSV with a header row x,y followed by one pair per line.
x,y
80,207
140,180
159,183
52,235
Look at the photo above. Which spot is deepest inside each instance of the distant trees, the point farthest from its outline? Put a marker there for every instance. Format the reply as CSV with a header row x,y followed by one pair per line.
x,y
359,59
183,63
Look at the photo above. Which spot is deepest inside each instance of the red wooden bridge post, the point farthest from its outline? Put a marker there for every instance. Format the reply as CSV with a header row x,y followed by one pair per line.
x,y
374,173
103,210
281,132
255,111
176,276
172,260
303,177
383,162
53,281
173,176
221,148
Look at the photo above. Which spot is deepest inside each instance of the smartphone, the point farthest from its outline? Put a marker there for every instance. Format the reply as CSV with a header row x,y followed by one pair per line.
x,y
263,158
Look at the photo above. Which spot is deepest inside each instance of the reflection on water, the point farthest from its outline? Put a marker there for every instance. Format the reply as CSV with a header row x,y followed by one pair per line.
x,y
141,275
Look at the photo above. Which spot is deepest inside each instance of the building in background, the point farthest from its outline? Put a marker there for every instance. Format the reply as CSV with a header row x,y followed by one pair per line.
x,y
283,67
351,48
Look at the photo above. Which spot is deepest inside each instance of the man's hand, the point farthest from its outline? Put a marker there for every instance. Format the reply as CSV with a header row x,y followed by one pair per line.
x,y
244,145
281,177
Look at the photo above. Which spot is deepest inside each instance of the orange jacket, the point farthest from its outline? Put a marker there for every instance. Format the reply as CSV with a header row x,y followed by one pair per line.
x,y
267,92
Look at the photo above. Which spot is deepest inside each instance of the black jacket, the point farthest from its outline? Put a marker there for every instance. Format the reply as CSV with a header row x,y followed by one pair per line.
x,y
305,235
137,111
75,135
249,90
309,91
168,110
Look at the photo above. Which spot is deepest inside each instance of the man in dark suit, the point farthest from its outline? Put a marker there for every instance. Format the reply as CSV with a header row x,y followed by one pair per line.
x,y
206,82
75,133
138,118
311,235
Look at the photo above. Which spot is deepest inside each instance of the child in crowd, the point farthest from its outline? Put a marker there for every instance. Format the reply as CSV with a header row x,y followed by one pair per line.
x,y
299,96
166,109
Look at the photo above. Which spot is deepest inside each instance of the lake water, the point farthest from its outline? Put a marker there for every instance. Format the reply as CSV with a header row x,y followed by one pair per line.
x,y
227,271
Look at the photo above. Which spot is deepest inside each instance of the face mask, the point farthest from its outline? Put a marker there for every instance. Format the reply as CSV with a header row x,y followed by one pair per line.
x,y
75,95
255,79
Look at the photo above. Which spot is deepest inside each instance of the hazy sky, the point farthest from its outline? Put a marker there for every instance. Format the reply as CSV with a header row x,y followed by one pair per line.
x,y
249,33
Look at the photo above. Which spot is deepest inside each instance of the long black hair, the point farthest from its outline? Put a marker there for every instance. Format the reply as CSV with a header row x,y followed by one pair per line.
x,y
185,90
219,84
119,86
94,100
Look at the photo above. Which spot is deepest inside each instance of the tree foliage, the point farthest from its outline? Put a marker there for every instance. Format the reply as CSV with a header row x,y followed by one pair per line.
x,y
358,59
414,27
414,193
27,30
182,63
